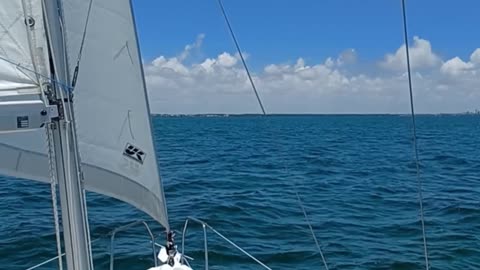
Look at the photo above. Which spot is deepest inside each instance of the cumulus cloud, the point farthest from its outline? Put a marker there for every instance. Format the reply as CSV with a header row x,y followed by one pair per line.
x,y
475,57
421,56
456,66
219,84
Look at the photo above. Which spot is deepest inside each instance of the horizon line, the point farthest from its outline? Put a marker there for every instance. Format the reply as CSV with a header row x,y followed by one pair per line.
x,y
477,112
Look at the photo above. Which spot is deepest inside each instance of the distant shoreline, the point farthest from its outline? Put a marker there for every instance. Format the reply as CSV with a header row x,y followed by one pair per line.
x,y
310,114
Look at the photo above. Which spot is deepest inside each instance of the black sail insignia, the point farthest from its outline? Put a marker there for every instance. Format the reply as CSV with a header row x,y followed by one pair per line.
x,y
134,153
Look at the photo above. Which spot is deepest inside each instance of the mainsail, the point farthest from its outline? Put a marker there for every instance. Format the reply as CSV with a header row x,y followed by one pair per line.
x,y
22,50
111,108
23,54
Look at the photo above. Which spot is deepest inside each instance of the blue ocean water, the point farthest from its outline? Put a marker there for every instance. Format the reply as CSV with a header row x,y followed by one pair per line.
x,y
355,174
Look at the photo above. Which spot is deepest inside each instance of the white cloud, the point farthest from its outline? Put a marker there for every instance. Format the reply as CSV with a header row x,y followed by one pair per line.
x,y
456,66
188,48
226,60
421,56
348,56
174,64
475,57
219,84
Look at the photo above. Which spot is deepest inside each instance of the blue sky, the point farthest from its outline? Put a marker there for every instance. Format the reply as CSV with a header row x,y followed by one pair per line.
x,y
280,32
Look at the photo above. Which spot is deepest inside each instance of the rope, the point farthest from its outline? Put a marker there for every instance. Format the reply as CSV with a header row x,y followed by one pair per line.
x,y
84,35
307,219
414,131
239,248
264,113
241,56
205,225
59,257
89,238
54,258
63,86
53,183
311,230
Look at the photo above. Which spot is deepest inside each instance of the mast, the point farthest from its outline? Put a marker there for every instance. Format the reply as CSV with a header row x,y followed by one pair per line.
x,y
66,157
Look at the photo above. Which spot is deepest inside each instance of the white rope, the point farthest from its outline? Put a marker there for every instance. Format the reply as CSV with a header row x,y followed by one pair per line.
x,y
59,257
22,68
53,183
414,134
232,243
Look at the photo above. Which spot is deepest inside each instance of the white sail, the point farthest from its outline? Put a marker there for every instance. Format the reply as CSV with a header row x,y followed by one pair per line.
x,y
111,110
23,48
24,154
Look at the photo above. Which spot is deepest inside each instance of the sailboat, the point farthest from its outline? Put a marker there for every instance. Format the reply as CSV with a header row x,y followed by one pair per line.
x,y
74,113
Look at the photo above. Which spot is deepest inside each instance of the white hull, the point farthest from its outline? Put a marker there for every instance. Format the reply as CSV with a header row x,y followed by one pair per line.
x,y
177,262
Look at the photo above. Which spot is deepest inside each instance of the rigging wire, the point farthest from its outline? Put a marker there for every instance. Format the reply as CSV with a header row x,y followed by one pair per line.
x,y
307,219
20,67
84,35
414,134
241,56
56,257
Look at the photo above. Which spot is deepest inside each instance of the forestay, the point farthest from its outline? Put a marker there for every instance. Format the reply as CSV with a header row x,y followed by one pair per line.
x,y
111,110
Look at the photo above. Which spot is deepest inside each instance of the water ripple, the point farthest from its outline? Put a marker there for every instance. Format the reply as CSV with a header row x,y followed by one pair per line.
x,y
355,175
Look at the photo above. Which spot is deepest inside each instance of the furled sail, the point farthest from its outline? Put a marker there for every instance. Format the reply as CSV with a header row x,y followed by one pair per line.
x,y
111,111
